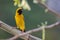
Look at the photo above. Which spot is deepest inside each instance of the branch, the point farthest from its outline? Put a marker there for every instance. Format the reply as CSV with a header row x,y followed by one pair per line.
x,y
14,32
49,9
35,30
17,32
40,28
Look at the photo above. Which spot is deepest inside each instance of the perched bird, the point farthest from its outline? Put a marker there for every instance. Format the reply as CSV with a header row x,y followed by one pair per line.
x,y
19,18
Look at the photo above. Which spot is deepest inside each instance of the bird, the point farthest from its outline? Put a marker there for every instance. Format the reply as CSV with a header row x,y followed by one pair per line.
x,y
19,19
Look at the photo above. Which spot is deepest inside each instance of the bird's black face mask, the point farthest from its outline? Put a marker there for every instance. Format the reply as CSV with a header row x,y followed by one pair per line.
x,y
20,11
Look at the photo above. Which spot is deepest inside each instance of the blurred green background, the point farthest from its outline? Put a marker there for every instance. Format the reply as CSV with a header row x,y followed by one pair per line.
x,y
33,18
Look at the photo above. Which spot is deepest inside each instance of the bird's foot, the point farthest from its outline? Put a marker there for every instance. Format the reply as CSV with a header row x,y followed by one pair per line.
x,y
22,30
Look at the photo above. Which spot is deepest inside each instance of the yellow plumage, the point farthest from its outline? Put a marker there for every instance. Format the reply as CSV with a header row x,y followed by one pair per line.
x,y
19,18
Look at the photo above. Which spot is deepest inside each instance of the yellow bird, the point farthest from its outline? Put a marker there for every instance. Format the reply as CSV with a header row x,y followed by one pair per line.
x,y
19,18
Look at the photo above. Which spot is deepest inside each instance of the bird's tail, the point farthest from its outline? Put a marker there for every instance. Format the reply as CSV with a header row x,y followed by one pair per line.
x,y
22,30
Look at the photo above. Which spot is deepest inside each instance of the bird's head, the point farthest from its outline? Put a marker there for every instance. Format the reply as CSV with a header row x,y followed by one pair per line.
x,y
19,11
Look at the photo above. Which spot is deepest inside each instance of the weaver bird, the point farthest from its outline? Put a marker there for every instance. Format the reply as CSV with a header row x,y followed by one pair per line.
x,y
19,18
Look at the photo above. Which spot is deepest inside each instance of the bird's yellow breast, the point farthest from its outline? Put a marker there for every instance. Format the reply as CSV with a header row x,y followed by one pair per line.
x,y
20,21
19,18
